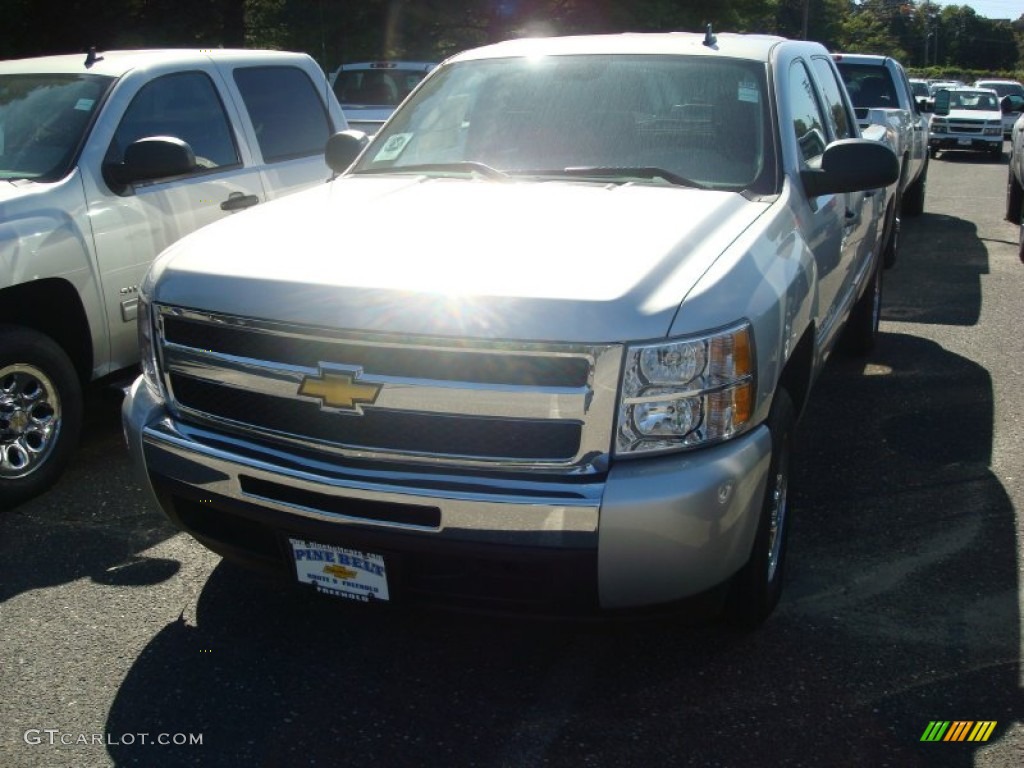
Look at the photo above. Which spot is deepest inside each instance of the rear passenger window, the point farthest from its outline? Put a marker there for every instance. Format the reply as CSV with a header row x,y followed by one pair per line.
x,y
184,105
286,111
839,118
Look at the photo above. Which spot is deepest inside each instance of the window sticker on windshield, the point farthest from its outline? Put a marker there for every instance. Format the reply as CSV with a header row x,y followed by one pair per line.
x,y
392,147
748,92
84,105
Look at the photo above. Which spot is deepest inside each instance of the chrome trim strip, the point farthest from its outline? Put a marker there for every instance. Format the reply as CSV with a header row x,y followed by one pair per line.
x,y
490,511
397,393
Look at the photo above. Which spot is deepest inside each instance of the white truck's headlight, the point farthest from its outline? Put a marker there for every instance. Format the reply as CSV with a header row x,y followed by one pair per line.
x,y
938,125
686,392
994,129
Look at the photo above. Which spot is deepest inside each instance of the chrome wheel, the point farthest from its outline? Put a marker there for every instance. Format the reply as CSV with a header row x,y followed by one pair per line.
x,y
30,419
777,517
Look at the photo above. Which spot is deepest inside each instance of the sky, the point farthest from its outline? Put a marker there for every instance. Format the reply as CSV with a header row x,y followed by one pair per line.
x,y
991,9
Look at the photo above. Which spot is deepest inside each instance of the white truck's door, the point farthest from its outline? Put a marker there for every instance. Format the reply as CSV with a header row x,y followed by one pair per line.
x,y
132,225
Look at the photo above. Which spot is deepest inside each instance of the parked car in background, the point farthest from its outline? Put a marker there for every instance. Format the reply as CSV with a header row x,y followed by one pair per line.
x,y
557,365
882,95
1002,87
934,86
105,160
966,119
922,94
1011,100
369,91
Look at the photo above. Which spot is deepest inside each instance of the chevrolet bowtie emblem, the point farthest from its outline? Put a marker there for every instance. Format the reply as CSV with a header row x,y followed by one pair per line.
x,y
339,390
340,571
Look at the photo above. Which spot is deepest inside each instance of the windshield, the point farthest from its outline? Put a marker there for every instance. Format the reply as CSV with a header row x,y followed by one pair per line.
x,y
649,119
43,120
976,100
376,87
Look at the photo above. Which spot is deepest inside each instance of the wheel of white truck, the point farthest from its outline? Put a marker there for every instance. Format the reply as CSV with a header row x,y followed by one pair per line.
x,y
913,199
756,589
1014,196
862,328
40,413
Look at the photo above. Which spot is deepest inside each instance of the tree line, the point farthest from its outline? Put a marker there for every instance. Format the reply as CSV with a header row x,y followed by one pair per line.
x,y
926,37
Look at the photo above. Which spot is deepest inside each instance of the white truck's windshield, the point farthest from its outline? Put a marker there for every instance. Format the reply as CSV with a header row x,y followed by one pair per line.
x,y
692,118
43,120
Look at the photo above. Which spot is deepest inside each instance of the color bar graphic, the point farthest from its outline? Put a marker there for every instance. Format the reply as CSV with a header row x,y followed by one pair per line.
x,y
958,730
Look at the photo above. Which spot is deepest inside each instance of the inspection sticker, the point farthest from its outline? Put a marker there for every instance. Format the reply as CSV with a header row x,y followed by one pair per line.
x,y
392,147
341,572
748,92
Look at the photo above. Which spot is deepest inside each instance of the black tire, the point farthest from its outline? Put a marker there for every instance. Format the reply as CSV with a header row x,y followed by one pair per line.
x,y
892,238
933,152
755,590
861,330
1014,196
913,198
40,413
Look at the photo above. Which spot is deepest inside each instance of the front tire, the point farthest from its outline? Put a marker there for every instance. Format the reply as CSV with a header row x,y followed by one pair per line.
x,y
913,200
861,330
40,413
757,587
1014,196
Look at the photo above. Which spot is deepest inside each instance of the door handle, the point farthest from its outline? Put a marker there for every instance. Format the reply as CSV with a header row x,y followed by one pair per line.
x,y
238,201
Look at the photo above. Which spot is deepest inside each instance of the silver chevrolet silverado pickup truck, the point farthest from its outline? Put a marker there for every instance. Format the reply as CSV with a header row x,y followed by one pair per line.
x,y
555,362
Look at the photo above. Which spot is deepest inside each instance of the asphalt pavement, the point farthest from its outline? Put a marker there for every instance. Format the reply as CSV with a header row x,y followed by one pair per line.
x,y
126,643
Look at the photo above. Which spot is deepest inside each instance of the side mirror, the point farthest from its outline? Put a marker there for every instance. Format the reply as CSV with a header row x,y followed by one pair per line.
x,y
941,102
151,158
343,148
852,165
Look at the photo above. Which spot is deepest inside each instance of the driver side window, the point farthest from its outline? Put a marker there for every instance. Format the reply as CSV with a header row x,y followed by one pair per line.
x,y
185,106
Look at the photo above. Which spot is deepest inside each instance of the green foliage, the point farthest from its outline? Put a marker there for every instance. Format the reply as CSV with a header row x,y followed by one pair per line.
x,y
920,34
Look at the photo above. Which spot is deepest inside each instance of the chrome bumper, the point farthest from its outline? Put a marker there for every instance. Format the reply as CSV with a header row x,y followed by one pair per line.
x,y
663,528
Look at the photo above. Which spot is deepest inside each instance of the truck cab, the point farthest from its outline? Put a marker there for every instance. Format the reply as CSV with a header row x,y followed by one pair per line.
x,y
105,160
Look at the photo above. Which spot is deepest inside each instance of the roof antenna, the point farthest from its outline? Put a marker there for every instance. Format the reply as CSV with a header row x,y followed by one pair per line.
x,y
709,38
91,57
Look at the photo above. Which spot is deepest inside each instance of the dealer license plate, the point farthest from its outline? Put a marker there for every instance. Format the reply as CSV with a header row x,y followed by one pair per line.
x,y
342,572
964,142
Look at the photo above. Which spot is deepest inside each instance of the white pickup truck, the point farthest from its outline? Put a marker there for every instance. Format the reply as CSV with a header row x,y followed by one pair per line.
x,y
882,95
557,364
105,160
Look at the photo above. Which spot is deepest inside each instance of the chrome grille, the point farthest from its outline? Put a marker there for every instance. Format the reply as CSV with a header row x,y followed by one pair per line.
x,y
966,126
454,402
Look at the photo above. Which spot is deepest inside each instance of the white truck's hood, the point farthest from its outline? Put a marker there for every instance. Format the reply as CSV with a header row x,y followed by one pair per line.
x,y
974,115
523,260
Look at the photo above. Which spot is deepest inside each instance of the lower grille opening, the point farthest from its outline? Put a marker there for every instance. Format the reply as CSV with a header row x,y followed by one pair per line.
x,y
380,511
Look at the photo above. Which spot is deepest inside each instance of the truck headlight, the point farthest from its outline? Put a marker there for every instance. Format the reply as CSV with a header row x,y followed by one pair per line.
x,y
686,392
994,129
938,125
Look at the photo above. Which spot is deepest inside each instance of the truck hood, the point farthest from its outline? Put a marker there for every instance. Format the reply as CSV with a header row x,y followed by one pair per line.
x,y
527,260
973,114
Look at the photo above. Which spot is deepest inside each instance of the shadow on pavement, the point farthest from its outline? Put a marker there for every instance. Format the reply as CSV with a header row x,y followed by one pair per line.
x,y
949,252
93,523
901,609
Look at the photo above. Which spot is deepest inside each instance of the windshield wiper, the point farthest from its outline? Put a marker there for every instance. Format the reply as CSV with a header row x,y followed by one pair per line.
x,y
616,172
464,166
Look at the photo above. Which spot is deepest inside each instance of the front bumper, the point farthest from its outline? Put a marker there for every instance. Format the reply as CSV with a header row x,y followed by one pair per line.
x,y
973,143
648,532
